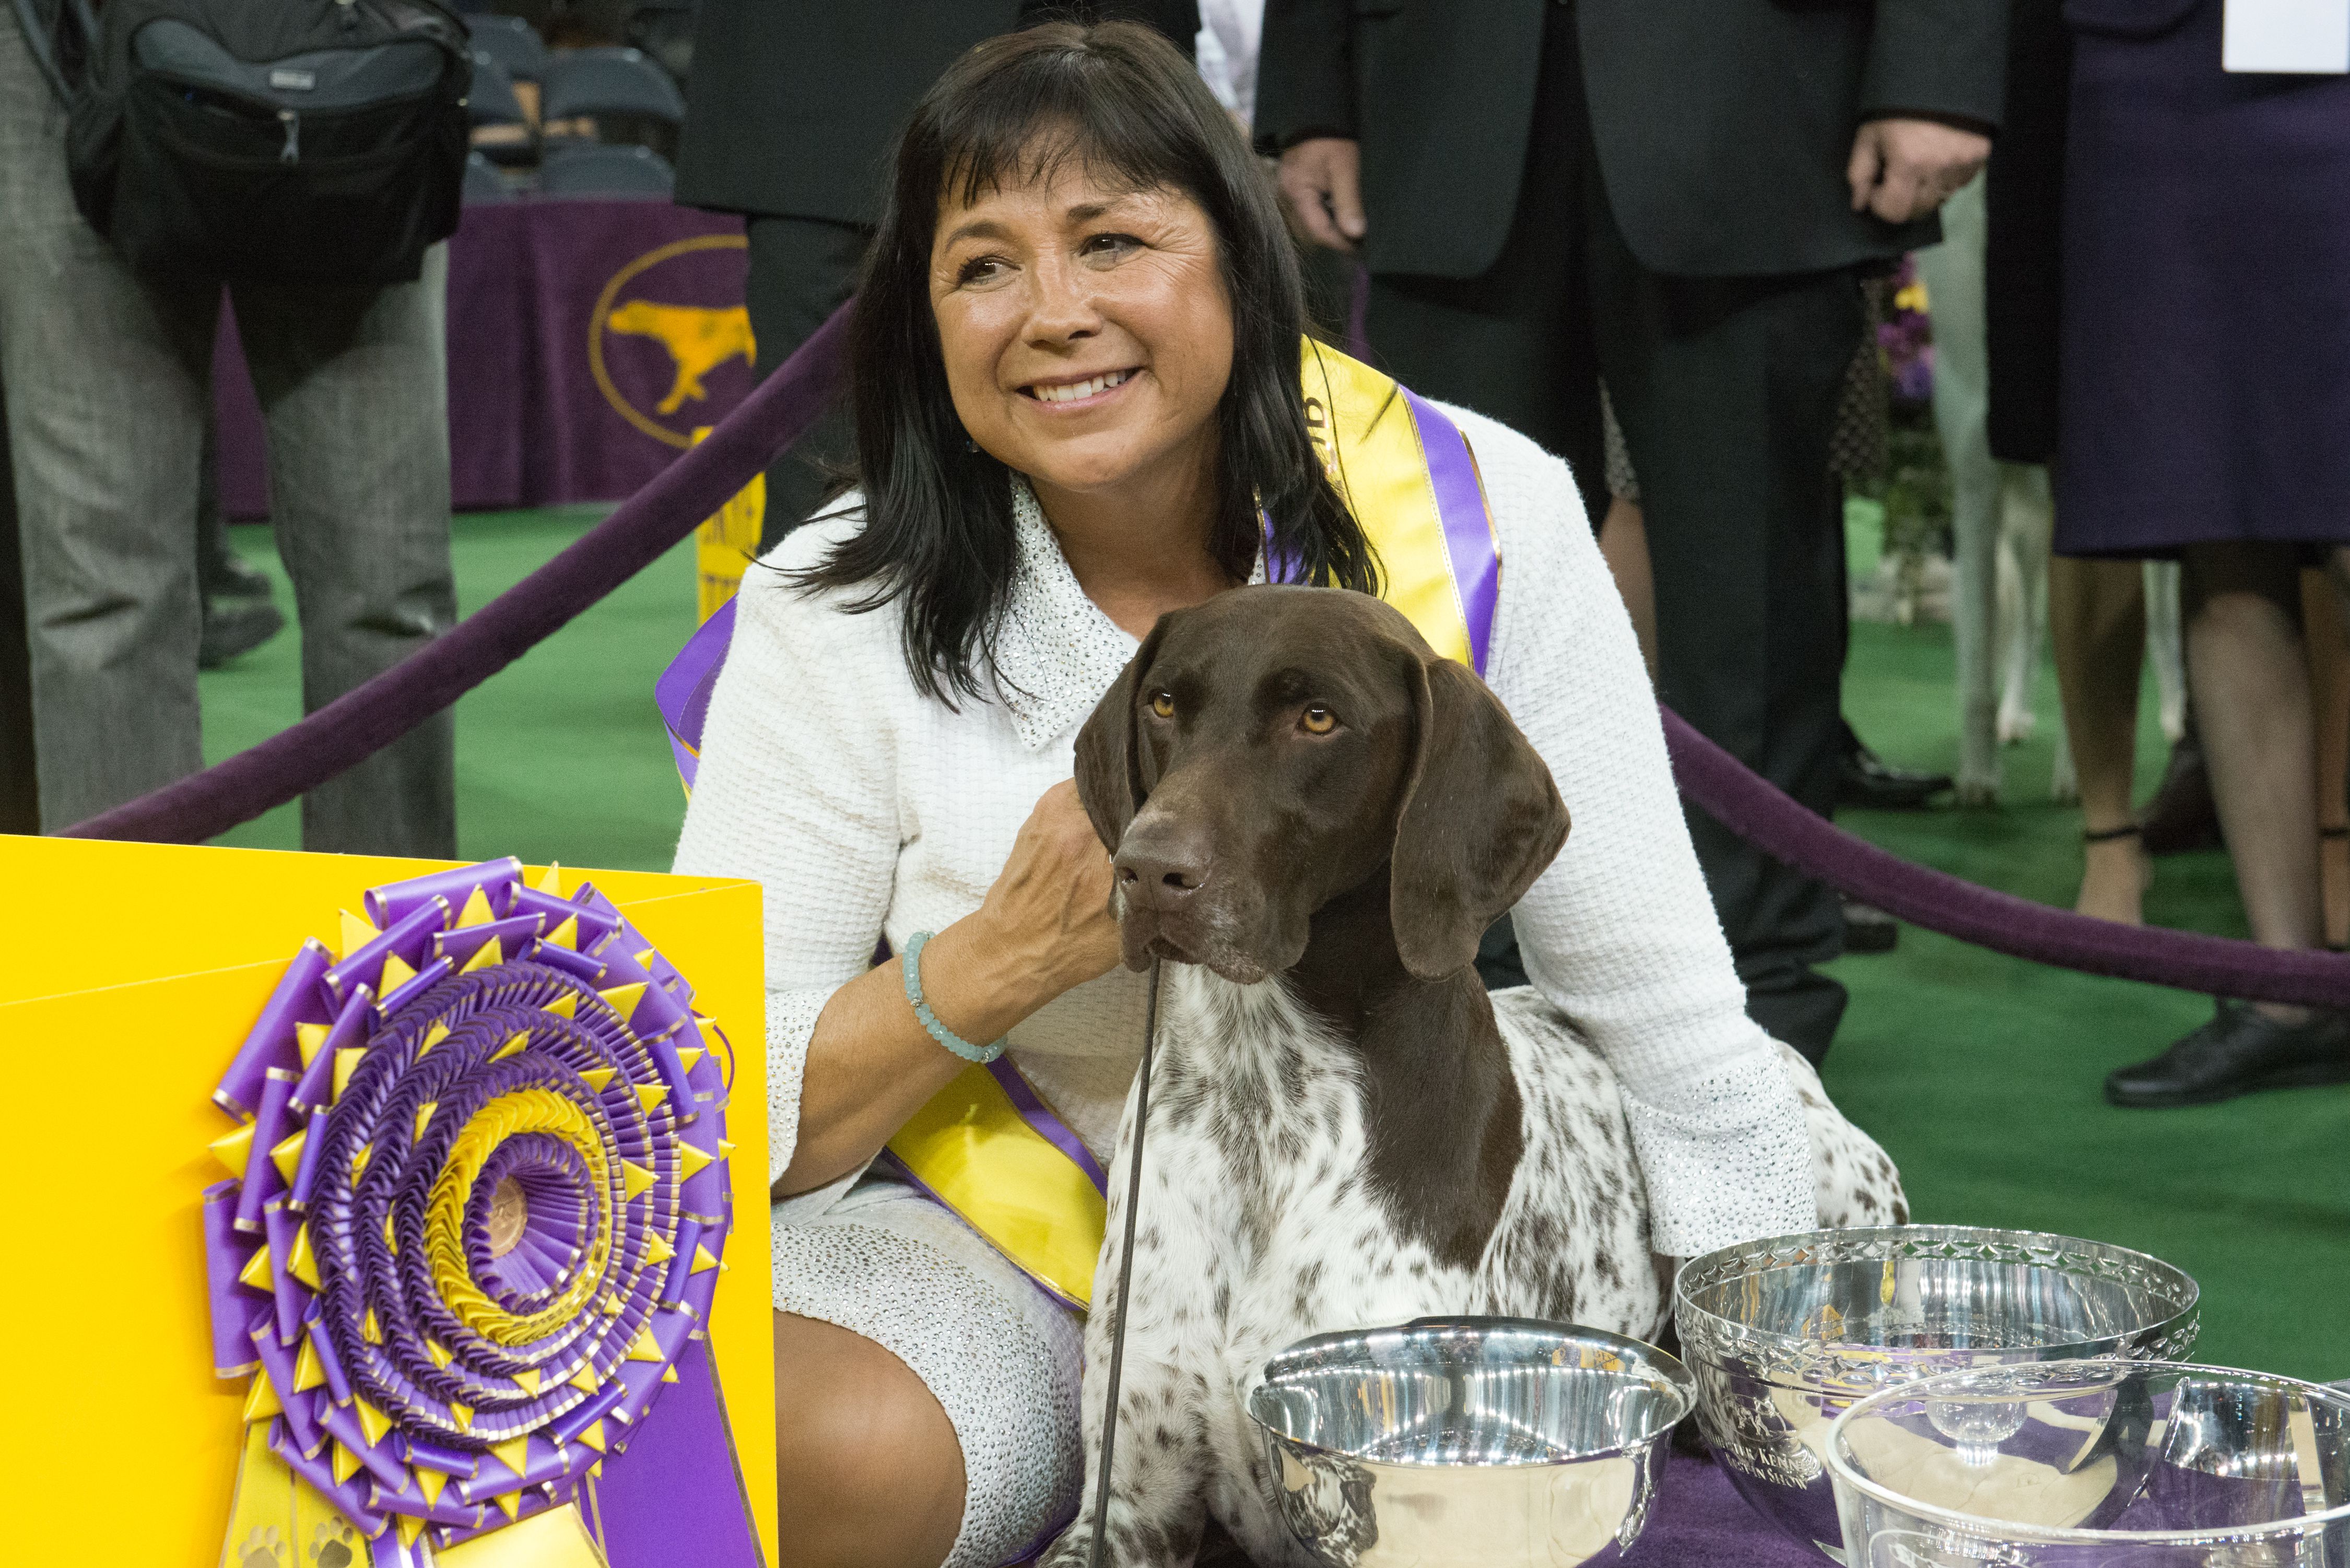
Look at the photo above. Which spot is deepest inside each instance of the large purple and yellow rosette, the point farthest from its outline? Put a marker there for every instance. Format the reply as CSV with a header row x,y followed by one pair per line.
x,y
478,1207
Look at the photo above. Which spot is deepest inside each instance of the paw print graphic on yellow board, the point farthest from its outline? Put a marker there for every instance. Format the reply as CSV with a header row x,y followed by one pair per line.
x,y
263,1548
334,1544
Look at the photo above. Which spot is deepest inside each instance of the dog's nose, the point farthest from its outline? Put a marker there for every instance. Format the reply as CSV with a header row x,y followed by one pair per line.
x,y
1162,864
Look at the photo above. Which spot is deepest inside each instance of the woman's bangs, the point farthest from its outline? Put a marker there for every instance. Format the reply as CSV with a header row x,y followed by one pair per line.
x,y
1032,128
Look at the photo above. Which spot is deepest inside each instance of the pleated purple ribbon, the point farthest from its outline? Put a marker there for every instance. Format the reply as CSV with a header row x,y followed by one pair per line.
x,y
477,1226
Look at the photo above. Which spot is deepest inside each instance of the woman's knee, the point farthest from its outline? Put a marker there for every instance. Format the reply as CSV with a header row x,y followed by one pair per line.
x,y
869,1471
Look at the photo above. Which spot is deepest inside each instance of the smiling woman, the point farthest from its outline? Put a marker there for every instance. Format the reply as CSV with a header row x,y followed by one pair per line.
x,y
1077,369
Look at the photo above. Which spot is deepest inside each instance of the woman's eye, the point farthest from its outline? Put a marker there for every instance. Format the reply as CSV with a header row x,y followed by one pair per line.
x,y
979,269
1109,246
1319,719
1162,704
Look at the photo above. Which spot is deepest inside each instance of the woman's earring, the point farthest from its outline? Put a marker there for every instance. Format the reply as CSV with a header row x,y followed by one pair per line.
x,y
969,444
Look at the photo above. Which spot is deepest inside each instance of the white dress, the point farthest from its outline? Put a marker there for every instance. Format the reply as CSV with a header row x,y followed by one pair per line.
x,y
866,810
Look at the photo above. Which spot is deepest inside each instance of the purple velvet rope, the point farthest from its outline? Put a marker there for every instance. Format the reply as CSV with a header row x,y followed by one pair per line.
x,y
362,721
1750,808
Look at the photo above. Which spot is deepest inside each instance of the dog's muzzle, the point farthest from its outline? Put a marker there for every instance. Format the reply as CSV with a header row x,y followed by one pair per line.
x,y
1171,903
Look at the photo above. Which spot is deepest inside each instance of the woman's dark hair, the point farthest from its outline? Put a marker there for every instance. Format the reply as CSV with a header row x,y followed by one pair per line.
x,y
938,530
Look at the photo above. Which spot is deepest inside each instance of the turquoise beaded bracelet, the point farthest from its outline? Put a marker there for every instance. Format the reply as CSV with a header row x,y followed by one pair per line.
x,y
938,1031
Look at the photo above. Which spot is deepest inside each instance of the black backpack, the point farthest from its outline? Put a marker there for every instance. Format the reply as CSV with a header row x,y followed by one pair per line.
x,y
273,141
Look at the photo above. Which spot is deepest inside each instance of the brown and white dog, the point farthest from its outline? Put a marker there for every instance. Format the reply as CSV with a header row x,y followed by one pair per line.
x,y
1314,818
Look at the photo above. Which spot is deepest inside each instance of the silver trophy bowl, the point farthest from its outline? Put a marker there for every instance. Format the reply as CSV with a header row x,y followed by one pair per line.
x,y
1782,1336
2084,1464
1469,1442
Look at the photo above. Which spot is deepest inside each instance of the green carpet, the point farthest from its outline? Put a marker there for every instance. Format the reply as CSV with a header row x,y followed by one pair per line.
x,y
1979,1073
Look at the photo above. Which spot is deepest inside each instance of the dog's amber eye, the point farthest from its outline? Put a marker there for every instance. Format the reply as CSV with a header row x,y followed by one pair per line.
x,y
1319,719
1163,704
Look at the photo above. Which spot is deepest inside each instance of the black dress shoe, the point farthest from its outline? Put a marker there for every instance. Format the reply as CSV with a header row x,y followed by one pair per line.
x,y
2242,1049
1870,929
1870,783
231,627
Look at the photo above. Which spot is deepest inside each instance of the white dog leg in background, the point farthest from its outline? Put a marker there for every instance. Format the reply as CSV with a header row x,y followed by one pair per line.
x,y
1953,274
2164,649
2027,519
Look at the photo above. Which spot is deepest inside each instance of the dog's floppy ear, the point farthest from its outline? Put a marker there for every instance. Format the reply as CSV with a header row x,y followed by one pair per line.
x,y
1478,820
1109,774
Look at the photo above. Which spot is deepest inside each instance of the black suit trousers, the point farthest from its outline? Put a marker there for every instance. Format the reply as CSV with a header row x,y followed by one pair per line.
x,y
801,269
1727,390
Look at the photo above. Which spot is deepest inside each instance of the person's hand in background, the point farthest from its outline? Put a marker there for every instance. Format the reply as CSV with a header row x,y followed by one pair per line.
x,y
1904,169
1321,181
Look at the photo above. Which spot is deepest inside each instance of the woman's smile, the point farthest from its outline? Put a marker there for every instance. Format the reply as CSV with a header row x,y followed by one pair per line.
x,y
1069,396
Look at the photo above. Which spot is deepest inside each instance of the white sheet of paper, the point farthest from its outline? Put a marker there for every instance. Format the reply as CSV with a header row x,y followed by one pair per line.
x,y
2300,37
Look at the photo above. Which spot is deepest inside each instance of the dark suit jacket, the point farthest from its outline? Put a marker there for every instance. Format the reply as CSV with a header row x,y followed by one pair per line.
x,y
1722,126
794,104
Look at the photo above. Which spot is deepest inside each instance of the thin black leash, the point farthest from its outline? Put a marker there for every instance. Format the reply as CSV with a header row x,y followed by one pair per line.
x,y
1124,1272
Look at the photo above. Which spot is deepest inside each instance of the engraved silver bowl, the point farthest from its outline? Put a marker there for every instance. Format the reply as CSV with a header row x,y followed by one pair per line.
x,y
1471,1442
1782,1336
2085,1464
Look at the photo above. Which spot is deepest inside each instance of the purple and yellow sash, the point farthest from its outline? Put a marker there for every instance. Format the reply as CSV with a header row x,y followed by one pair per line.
x,y
988,1146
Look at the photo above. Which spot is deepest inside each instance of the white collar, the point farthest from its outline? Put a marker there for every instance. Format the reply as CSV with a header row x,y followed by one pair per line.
x,y
1055,651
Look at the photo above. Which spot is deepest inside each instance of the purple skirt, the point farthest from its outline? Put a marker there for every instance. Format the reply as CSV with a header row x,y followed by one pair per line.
x,y
2205,378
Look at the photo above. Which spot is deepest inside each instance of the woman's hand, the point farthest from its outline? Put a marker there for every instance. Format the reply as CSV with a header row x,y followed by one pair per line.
x,y
1043,927
1046,921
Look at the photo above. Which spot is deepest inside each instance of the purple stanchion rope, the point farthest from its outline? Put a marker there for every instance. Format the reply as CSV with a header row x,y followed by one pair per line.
x,y
1750,808
362,721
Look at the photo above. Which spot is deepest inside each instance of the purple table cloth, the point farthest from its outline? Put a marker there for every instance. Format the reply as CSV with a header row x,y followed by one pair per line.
x,y
587,341
1701,1522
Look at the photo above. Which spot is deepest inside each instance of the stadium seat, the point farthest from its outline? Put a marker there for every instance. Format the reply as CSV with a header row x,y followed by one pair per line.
x,y
592,168
514,44
484,186
608,82
491,100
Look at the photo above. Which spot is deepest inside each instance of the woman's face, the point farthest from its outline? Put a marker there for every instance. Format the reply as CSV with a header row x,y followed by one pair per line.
x,y
1085,330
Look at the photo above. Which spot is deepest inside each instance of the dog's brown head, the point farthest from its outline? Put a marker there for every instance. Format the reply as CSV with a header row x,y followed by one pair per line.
x,y
1277,747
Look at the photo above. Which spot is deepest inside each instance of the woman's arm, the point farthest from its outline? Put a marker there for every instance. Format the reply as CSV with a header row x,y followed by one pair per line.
x,y
1620,932
1043,928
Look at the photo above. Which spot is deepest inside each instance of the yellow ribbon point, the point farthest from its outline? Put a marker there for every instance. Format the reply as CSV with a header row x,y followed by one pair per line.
x,y
372,1421
396,973
692,1056
432,1036
487,954
528,1380
669,1374
645,1347
549,880
409,1526
286,1156
515,1455
690,1161
648,1095
564,1006
300,1261
235,1150
585,1380
390,1241
359,1158
346,1463
423,1115
308,1372
514,1047
476,911
462,1414
510,1504
612,1307
357,934
261,1401
725,1149
307,1038
566,935
657,1248
593,1437
346,1062
437,1352
370,1329
703,1261
429,1482
635,1179
623,999
596,1077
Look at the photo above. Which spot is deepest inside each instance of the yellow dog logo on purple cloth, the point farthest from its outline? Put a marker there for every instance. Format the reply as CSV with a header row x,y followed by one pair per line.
x,y
669,342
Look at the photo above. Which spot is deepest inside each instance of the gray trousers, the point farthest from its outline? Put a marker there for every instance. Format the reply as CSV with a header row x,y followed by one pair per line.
x,y
107,379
